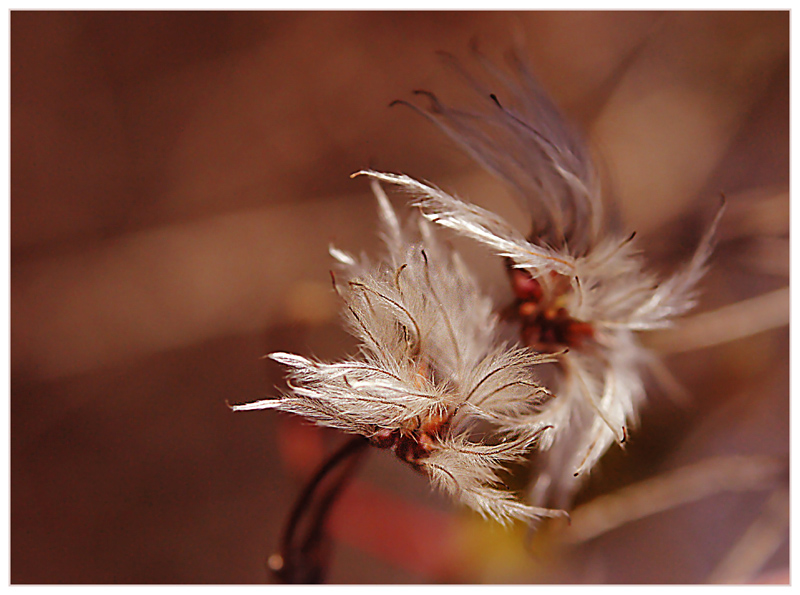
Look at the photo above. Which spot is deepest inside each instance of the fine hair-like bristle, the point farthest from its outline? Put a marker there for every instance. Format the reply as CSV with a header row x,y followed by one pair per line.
x,y
429,355
592,278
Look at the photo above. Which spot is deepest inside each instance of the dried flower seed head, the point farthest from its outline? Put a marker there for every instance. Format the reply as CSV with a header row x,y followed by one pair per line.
x,y
577,282
432,382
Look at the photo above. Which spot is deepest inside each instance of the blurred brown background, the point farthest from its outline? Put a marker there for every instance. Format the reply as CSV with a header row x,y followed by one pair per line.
x,y
176,179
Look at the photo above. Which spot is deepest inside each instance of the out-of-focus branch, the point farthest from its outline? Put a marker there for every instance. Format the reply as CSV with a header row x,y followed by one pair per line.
x,y
176,285
761,540
735,321
669,490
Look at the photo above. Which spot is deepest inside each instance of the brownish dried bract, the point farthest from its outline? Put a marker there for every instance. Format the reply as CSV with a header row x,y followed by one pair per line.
x,y
546,325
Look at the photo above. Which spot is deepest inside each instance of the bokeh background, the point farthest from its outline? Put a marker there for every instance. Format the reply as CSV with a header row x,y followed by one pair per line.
x,y
176,179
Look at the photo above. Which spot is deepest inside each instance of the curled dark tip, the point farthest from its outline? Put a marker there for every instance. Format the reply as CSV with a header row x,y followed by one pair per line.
x,y
436,105
494,98
630,237
334,284
397,274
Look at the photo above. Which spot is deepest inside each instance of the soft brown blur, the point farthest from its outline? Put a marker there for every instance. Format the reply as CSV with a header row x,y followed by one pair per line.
x,y
176,179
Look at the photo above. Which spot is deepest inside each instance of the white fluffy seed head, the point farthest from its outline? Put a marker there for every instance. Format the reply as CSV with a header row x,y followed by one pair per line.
x,y
431,377
521,137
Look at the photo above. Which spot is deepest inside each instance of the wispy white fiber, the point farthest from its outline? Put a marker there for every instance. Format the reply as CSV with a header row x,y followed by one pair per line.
x,y
432,381
590,274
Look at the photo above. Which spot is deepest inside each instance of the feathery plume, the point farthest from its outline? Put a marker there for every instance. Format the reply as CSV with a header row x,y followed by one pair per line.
x,y
432,382
578,282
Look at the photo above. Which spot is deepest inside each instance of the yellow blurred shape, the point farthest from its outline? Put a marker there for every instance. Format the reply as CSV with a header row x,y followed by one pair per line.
x,y
497,554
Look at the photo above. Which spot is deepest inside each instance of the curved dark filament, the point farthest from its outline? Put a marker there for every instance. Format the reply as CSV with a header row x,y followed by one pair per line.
x,y
526,126
484,379
366,288
442,310
538,389
305,548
